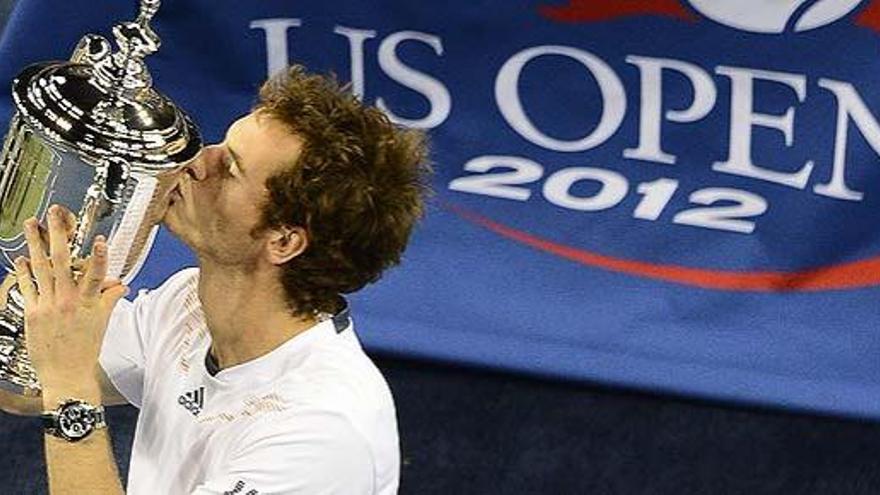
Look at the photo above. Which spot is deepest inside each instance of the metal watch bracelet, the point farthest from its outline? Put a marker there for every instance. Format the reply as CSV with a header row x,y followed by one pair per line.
x,y
73,420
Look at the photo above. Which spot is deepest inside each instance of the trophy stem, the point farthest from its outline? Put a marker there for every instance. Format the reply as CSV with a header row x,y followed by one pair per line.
x,y
17,375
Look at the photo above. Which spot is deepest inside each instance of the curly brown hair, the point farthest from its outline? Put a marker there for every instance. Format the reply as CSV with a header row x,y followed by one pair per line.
x,y
357,189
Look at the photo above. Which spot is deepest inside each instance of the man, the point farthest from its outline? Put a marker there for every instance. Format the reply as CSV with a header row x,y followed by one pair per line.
x,y
248,376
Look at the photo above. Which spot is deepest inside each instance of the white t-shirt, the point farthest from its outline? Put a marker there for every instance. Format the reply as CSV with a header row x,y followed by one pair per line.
x,y
313,416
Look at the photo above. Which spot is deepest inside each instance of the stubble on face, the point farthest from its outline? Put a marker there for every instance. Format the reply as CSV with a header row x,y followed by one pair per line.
x,y
218,221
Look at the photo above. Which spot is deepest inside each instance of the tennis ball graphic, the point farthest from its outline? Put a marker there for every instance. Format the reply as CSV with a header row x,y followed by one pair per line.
x,y
773,16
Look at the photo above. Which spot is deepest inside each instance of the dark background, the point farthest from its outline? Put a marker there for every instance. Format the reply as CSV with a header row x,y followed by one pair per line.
x,y
469,431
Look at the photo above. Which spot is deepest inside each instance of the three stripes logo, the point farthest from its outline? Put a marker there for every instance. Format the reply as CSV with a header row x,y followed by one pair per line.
x,y
193,401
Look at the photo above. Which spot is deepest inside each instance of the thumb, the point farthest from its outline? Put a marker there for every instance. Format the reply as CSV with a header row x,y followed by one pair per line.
x,y
112,295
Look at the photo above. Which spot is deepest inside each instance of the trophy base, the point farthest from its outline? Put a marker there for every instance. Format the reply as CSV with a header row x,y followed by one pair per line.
x,y
17,375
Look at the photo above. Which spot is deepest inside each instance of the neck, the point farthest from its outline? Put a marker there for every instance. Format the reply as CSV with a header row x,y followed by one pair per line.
x,y
246,312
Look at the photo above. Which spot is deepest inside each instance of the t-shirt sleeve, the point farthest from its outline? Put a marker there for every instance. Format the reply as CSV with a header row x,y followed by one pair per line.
x,y
319,453
129,337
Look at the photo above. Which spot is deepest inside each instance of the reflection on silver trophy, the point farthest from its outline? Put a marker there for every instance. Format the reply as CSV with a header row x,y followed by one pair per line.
x,y
93,135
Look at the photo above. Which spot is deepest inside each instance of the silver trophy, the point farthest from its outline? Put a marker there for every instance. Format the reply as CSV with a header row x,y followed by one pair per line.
x,y
93,135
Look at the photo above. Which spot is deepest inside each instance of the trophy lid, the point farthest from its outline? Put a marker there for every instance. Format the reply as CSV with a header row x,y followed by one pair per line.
x,y
102,104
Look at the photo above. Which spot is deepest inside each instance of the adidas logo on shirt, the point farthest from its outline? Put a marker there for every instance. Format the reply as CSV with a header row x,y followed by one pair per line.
x,y
193,401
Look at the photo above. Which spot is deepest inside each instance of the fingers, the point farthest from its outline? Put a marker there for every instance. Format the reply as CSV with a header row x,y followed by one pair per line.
x,y
110,282
25,282
59,250
112,296
69,219
39,262
82,265
5,287
96,270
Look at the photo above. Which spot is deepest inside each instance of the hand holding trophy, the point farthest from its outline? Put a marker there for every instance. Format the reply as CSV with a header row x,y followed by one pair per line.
x,y
94,135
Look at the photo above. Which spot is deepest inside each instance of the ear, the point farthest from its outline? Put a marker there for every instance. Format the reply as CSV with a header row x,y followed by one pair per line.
x,y
285,243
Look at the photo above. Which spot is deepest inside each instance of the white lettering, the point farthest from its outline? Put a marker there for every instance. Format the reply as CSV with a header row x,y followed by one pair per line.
x,y
277,52
651,70
850,106
743,118
509,102
612,188
438,96
356,40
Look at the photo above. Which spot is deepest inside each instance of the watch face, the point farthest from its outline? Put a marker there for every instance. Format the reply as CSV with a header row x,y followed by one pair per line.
x,y
75,421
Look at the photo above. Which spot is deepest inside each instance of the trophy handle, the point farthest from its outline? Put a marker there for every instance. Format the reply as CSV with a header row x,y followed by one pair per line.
x,y
91,49
101,200
148,10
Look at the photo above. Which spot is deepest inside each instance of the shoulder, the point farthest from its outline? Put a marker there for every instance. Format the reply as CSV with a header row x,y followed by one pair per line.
x,y
175,289
340,379
185,280
156,313
339,376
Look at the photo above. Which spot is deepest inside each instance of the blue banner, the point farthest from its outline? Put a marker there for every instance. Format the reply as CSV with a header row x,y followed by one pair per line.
x,y
675,195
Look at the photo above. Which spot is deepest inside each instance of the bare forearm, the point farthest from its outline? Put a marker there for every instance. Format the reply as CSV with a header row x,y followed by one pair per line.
x,y
21,405
87,466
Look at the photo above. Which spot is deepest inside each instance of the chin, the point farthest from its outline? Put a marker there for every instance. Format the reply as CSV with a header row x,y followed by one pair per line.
x,y
170,223
187,237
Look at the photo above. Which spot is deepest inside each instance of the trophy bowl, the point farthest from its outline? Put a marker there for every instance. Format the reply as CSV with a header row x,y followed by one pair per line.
x,y
91,134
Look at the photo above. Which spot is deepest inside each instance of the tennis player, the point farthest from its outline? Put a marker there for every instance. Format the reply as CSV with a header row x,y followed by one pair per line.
x,y
247,372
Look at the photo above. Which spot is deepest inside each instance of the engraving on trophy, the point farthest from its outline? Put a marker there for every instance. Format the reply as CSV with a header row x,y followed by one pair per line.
x,y
93,135
27,187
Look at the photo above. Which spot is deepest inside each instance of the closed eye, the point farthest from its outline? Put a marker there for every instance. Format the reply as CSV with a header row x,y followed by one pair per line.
x,y
233,161
230,167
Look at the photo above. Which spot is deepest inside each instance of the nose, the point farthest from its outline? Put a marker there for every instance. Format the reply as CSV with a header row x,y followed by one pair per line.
x,y
205,164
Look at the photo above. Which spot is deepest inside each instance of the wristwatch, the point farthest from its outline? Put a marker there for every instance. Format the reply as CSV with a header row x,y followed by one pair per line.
x,y
73,420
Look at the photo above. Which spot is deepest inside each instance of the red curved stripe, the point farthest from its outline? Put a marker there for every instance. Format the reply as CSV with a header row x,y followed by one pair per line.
x,y
601,10
863,273
869,17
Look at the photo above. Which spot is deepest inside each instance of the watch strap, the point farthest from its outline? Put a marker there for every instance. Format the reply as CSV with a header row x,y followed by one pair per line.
x,y
50,419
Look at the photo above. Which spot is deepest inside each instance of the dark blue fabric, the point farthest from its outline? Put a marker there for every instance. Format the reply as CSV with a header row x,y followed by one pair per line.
x,y
477,433
538,279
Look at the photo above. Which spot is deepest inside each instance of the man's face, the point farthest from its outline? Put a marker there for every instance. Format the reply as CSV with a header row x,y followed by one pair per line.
x,y
219,197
